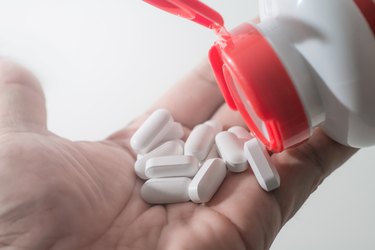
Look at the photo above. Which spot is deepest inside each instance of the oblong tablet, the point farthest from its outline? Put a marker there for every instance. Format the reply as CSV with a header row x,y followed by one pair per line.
x,y
260,162
139,156
207,181
200,141
152,131
215,124
241,133
172,166
175,147
175,132
213,153
166,190
231,150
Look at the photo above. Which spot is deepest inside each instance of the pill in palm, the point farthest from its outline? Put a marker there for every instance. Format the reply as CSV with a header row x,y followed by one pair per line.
x,y
172,166
169,163
260,162
139,156
175,132
152,131
207,180
213,153
175,147
200,141
166,190
241,133
231,151
215,124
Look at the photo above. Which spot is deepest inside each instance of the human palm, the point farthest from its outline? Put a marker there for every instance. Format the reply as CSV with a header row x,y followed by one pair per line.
x,y
59,194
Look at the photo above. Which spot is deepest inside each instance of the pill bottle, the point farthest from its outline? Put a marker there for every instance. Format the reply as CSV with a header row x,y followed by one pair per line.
x,y
307,63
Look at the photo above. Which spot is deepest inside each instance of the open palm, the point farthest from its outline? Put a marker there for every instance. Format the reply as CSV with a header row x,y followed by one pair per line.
x,y
59,194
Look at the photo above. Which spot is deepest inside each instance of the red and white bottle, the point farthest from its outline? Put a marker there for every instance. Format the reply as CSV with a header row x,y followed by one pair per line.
x,y
308,63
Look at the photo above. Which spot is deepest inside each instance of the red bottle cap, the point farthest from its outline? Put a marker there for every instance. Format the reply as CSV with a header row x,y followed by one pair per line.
x,y
254,81
251,77
367,7
193,10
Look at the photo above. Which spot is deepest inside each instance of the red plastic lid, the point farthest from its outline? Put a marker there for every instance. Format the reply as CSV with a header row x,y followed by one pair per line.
x,y
193,10
254,81
367,7
251,77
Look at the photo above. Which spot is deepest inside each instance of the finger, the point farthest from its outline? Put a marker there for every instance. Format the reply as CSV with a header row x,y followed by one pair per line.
x,y
259,215
228,118
22,103
191,101
194,99
303,168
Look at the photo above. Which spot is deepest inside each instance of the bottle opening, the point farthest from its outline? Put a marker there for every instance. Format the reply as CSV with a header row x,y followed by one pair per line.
x,y
258,125
254,79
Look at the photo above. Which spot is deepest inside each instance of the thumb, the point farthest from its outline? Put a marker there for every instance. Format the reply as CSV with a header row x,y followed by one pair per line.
x,y
22,102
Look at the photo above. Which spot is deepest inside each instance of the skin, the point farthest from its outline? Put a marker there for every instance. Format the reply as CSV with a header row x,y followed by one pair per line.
x,y
60,194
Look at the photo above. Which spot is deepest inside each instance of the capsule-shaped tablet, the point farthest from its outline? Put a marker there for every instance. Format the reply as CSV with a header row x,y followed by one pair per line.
x,y
207,181
166,190
260,162
241,133
213,153
152,131
172,166
139,156
200,141
215,124
231,150
175,132
175,147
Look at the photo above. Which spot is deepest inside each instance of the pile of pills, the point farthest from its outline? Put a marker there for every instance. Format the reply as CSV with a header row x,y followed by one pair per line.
x,y
178,171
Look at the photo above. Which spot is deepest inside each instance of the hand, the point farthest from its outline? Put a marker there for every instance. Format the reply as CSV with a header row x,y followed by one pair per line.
x,y
59,194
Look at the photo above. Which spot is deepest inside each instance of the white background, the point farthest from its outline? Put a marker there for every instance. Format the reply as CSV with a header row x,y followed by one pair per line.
x,y
102,62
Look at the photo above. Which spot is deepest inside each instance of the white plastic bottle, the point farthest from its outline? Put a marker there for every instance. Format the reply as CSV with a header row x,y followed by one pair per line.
x,y
307,63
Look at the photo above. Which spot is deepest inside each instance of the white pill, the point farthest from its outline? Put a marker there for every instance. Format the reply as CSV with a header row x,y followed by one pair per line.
x,y
200,141
172,166
166,190
260,162
175,132
241,133
215,124
231,150
213,153
175,147
152,131
207,181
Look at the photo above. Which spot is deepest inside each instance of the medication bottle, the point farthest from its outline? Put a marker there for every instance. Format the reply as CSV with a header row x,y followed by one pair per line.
x,y
308,63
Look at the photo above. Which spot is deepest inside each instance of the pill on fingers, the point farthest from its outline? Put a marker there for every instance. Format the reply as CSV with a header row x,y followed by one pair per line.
x,y
139,156
200,141
215,124
207,180
152,131
260,162
231,150
241,133
172,166
175,147
166,190
213,153
175,132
